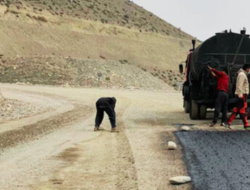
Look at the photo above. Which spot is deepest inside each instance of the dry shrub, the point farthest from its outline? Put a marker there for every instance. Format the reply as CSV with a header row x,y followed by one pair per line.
x,y
28,15
40,18
14,12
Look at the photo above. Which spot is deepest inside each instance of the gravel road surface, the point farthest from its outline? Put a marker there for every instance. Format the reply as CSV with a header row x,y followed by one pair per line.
x,y
53,146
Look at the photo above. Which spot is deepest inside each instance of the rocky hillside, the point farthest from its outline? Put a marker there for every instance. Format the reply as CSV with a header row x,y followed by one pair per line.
x,y
79,73
118,12
96,31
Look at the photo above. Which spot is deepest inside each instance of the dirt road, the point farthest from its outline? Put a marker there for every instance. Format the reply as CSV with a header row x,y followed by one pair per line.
x,y
58,149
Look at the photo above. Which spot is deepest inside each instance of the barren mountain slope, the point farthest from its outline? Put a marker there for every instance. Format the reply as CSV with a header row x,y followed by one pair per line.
x,y
59,71
118,12
61,29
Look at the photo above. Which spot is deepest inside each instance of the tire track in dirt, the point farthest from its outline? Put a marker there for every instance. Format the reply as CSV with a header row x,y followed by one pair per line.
x,y
20,146
127,174
32,131
105,162
132,159
12,138
29,132
149,130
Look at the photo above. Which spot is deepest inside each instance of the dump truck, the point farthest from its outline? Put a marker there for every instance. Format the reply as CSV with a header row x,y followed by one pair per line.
x,y
225,50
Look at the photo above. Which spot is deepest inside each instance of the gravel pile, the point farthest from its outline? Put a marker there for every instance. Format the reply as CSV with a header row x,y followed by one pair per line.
x,y
13,109
79,73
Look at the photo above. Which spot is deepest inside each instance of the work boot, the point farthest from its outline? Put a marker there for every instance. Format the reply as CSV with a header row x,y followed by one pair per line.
x,y
115,130
247,128
228,126
212,124
96,129
223,125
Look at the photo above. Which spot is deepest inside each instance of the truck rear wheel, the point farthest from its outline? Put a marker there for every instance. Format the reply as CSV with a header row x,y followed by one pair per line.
x,y
194,110
203,112
186,106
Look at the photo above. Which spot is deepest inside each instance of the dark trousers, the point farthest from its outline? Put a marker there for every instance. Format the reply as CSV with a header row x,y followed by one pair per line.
x,y
100,114
221,106
242,110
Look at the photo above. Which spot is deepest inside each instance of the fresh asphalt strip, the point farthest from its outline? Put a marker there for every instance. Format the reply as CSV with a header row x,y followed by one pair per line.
x,y
217,160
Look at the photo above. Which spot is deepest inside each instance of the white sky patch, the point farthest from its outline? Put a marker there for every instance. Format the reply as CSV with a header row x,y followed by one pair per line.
x,y
201,18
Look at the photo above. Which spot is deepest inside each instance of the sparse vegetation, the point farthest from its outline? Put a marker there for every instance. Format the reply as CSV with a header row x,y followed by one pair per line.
x,y
104,21
120,12
73,72
124,61
169,76
41,18
13,12
121,47
102,57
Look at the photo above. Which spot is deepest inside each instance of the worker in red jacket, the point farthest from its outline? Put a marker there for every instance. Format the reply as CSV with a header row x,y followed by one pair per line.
x,y
222,96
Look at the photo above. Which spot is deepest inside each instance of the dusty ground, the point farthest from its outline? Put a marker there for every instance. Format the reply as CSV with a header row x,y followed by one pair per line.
x,y
58,149
53,145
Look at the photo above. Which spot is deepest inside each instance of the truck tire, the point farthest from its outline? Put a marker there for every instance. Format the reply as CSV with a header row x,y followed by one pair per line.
x,y
186,106
194,110
203,112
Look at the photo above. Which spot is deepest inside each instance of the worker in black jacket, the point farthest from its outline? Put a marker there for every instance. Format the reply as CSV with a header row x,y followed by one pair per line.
x,y
106,105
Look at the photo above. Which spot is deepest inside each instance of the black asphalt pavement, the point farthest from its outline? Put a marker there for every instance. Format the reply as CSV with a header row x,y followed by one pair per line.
x,y
217,160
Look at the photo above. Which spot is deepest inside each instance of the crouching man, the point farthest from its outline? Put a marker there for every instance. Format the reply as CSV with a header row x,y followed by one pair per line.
x,y
242,91
105,105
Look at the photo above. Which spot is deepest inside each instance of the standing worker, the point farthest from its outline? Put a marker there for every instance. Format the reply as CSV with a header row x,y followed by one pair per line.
x,y
106,105
242,91
222,96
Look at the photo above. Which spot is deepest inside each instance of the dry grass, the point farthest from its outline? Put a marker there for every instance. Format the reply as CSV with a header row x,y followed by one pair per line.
x,y
119,12
40,18
116,30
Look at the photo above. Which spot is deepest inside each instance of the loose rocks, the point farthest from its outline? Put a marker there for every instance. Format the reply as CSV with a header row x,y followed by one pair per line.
x,y
180,180
185,128
172,145
13,109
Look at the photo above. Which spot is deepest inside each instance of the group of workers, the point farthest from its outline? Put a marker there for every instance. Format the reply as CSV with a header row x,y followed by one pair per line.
x,y
242,90
241,93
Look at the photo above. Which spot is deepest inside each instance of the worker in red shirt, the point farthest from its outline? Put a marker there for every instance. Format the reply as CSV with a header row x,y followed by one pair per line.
x,y
222,96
